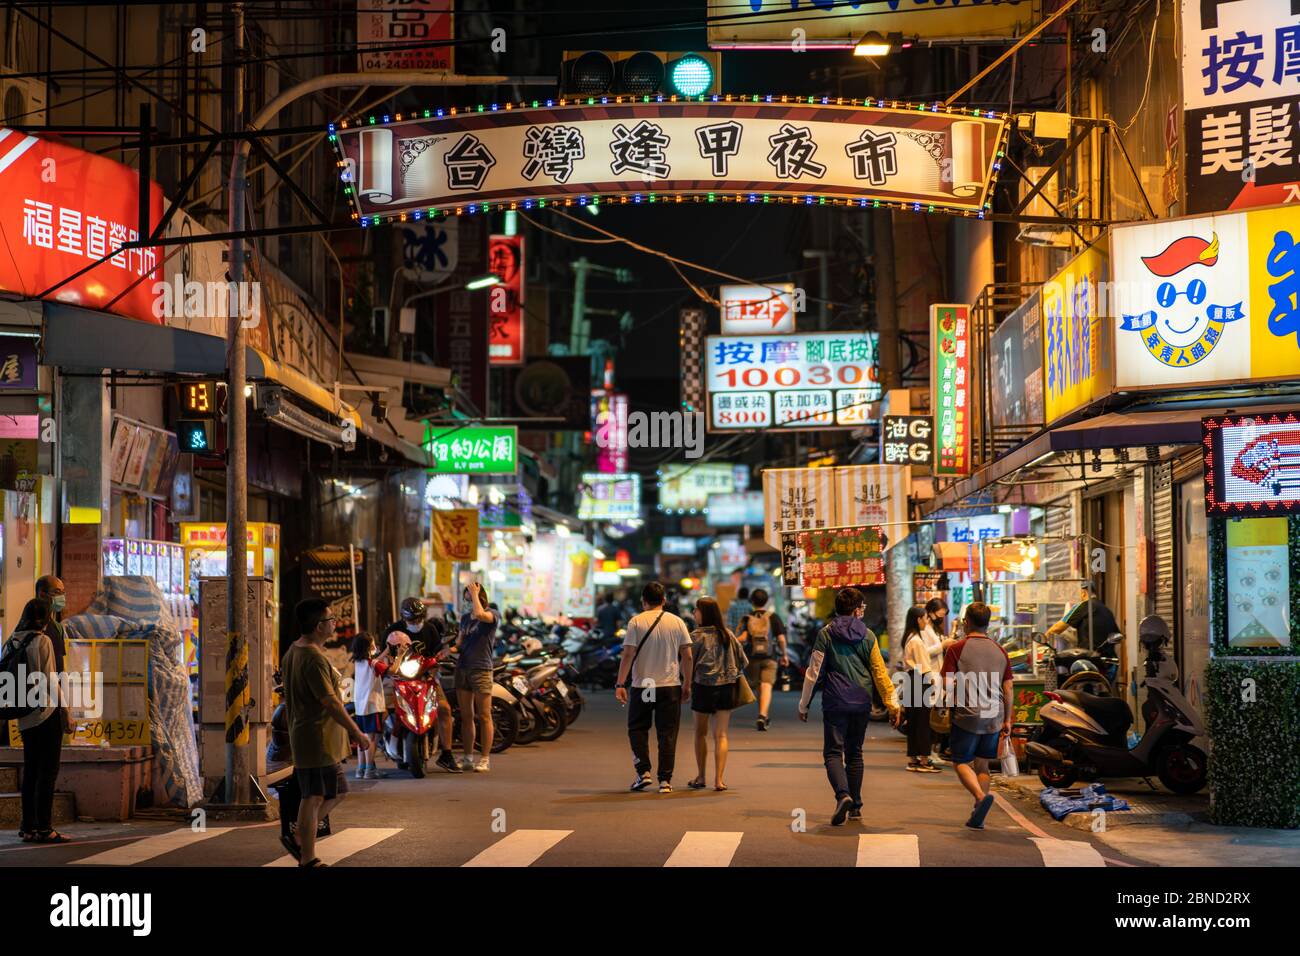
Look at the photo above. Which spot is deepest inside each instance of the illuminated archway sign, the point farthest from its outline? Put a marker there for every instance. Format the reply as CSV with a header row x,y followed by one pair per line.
x,y
666,149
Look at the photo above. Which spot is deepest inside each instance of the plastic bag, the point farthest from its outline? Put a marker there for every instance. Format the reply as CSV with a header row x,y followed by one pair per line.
x,y
1007,758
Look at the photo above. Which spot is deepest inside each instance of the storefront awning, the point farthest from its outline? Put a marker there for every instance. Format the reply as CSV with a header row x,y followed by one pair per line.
x,y
84,340
1158,428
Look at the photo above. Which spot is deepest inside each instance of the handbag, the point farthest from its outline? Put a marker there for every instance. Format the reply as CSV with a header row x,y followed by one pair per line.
x,y
744,693
627,684
941,720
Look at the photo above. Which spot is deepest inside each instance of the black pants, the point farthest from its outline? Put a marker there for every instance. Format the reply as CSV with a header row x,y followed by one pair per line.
x,y
918,731
665,712
42,753
843,734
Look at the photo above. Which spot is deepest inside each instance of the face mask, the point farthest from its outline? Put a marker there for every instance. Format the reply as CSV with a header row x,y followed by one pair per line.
x,y
413,627
58,602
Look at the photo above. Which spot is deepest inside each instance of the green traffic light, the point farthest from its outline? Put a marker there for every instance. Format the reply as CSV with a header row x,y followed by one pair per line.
x,y
692,76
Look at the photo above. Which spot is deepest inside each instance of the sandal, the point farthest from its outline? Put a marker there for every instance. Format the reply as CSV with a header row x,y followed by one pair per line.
x,y
50,836
696,784
313,862
721,787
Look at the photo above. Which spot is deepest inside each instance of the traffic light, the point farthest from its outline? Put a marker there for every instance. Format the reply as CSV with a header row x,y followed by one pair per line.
x,y
194,436
640,73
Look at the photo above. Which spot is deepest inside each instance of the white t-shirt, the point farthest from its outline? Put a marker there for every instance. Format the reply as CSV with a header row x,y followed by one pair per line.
x,y
658,663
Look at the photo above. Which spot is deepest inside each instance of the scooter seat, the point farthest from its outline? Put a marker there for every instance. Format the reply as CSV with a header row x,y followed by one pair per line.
x,y
1111,712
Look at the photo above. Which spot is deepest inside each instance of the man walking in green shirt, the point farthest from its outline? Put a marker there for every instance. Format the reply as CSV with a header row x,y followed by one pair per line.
x,y
319,726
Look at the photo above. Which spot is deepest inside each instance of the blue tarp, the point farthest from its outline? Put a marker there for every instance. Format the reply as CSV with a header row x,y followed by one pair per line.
x,y
1060,803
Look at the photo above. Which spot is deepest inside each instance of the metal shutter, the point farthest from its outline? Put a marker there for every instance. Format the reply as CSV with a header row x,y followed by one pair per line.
x,y
1162,519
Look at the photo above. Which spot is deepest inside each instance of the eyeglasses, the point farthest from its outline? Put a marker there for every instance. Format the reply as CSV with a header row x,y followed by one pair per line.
x,y
1168,293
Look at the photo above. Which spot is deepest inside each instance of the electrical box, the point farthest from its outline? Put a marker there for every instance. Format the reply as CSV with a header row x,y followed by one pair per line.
x,y
260,634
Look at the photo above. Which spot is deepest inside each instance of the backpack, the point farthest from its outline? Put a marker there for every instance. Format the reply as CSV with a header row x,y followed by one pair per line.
x,y
758,627
13,657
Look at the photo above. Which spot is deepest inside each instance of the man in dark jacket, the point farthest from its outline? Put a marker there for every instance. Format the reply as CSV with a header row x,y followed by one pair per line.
x,y
845,662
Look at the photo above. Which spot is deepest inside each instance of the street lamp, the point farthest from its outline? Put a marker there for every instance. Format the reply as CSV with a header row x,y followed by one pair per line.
x,y
872,44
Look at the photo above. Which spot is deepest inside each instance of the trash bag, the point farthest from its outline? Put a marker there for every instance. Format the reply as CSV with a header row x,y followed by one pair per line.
x,y
1061,803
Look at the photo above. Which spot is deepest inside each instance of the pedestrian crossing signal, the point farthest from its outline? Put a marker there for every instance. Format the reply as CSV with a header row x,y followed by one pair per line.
x,y
194,436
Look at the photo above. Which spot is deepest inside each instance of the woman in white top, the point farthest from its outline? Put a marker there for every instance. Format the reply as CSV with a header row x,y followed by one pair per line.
x,y
922,670
936,620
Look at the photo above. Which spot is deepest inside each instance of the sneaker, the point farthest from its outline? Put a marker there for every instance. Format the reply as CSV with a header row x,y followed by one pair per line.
x,y
913,767
482,765
841,811
359,773
762,723
372,773
643,782
466,763
976,821
665,786
855,812
927,768
448,763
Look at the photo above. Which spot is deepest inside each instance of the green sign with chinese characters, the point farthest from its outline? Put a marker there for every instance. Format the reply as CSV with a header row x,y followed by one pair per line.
x,y
473,449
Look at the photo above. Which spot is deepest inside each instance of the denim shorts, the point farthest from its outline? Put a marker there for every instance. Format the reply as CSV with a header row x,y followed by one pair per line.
x,y
967,746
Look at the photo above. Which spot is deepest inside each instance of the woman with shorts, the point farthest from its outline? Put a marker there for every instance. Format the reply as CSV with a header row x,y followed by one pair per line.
x,y
719,661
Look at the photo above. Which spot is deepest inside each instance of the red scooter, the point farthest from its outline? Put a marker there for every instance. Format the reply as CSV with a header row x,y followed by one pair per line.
x,y
406,729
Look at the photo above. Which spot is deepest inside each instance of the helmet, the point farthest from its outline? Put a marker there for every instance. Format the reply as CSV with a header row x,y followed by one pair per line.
x,y
1153,631
413,609
1081,666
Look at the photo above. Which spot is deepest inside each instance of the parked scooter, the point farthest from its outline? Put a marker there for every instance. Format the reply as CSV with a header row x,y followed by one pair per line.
x,y
406,728
505,713
1085,736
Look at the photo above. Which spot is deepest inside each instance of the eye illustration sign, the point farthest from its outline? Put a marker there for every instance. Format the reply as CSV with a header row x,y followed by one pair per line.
x,y
757,147
1209,299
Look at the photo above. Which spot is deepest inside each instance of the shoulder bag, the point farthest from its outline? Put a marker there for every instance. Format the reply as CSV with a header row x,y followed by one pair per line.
x,y
744,693
637,653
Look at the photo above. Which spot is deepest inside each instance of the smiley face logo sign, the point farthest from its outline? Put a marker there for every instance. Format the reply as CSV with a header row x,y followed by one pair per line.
x,y
1182,294
1184,329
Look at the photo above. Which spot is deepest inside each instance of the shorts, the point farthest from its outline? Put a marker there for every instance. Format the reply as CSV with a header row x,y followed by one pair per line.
x,y
369,723
967,746
706,699
327,782
476,679
761,671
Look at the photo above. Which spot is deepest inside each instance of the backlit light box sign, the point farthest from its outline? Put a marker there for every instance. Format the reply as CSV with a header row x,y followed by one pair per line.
x,y
678,545
609,497
757,309
473,449
686,487
1252,464
734,510
812,380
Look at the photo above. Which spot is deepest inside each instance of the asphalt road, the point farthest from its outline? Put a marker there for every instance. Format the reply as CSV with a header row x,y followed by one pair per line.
x,y
566,803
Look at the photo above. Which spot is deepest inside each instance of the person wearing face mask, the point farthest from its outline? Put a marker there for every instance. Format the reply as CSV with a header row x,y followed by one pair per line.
x,y
428,625
50,588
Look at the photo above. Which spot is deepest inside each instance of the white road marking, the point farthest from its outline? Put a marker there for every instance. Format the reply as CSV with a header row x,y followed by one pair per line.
x,y
149,847
343,844
889,849
1068,853
520,848
705,848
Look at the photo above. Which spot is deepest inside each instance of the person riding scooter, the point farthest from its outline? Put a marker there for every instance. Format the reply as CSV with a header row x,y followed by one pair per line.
x,y
427,625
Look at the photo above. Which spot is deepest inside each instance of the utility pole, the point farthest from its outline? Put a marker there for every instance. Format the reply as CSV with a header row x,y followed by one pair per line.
x,y
237,693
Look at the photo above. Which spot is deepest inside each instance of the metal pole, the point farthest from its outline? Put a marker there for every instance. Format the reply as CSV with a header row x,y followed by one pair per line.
x,y
237,695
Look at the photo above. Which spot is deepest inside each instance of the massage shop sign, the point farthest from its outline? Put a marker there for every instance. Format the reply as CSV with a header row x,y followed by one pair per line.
x,y
752,149
1207,300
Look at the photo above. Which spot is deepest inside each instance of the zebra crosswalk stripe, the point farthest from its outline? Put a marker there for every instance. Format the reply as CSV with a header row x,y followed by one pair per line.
x,y
149,847
1067,852
520,848
889,849
705,848
341,845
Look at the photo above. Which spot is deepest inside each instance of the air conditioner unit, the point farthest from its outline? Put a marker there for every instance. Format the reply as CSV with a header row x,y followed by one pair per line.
x,y
1046,233
22,100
